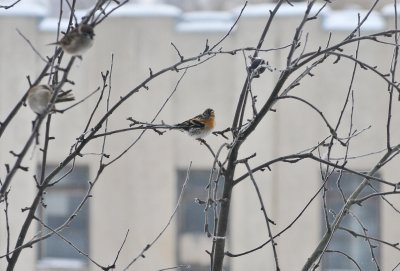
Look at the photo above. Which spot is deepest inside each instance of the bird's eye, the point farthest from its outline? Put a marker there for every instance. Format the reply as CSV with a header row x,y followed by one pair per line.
x,y
87,34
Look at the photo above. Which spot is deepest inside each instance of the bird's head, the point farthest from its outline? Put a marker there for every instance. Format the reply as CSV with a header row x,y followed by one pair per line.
x,y
86,30
209,113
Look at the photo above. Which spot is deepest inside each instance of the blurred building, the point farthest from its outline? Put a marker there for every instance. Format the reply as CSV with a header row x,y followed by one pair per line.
x,y
139,192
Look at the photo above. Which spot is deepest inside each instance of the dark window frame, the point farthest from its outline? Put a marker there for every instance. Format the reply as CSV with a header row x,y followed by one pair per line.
x,y
192,211
75,184
342,240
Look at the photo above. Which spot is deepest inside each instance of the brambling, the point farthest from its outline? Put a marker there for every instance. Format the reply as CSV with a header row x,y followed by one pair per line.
x,y
199,126
77,41
39,98
257,66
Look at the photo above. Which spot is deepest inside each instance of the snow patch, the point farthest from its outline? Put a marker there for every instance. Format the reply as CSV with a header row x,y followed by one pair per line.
x,y
285,10
207,15
388,10
145,10
205,21
347,20
50,24
209,26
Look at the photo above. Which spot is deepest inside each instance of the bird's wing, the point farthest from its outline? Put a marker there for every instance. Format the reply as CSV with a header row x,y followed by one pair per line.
x,y
197,122
192,123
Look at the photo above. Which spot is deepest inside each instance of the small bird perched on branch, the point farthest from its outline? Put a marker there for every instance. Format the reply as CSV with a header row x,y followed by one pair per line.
x,y
39,97
199,126
77,41
257,66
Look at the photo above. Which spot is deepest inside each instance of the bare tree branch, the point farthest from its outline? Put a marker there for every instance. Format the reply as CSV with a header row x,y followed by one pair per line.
x,y
11,5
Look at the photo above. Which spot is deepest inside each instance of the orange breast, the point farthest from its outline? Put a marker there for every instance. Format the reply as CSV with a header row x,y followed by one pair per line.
x,y
210,122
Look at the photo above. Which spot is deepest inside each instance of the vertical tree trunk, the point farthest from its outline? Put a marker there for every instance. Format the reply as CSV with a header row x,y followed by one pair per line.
x,y
222,226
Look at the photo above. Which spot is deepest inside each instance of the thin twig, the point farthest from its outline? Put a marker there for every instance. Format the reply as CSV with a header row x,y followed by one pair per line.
x,y
230,30
79,102
175,267
154,118
267,220
355,234
31,45
305,208
148,246
11,5
347,256
86,255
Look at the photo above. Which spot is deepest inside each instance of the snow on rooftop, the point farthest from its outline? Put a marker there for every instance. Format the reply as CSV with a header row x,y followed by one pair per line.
x,y
207,15
210,21
262,10
206,26
347,20
50,24
205,21
24,8
146,10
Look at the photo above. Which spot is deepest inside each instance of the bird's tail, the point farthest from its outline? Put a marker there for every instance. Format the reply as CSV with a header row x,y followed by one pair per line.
x,y
53,43
65,96
183,126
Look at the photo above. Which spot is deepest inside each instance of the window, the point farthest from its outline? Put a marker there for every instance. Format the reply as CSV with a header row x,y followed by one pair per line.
x,y
60,202
192,241
368,214
191,214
